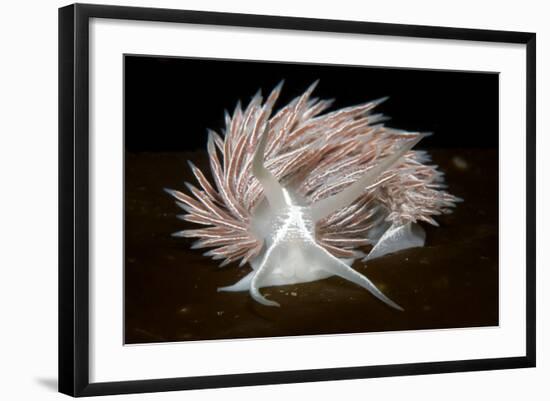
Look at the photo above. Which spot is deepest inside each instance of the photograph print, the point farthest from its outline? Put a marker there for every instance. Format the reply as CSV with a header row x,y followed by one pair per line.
x,y
270,199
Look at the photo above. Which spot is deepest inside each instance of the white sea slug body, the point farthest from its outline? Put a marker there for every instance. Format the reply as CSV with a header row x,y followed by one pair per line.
x,y
297,193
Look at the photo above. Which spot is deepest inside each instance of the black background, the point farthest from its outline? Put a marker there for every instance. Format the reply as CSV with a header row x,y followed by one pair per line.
x,y
170,102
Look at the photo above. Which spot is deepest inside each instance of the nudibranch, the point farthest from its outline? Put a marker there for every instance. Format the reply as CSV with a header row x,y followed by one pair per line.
x,y
297,194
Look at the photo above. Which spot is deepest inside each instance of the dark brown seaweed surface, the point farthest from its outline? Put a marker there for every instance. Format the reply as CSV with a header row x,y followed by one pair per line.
x,y
170,289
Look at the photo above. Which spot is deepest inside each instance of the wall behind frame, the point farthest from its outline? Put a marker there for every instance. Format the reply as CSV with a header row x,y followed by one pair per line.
x,y
28,166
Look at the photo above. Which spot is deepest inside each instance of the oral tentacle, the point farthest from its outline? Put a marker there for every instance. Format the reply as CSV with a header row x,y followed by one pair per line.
x,y
263,271
339,268
241,285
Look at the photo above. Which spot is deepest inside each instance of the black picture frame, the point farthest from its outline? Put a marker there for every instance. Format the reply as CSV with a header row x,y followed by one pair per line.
x,y
74,198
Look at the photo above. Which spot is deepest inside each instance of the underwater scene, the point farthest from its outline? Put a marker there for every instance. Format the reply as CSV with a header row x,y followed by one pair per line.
x,y
266,199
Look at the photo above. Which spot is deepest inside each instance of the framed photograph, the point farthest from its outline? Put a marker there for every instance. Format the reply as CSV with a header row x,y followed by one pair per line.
x,y
293,199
